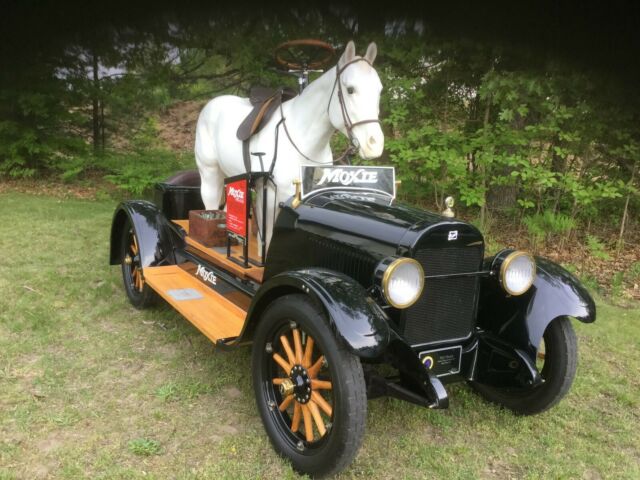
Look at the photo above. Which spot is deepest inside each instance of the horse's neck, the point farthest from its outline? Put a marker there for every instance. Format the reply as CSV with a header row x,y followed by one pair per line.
x,y
307,116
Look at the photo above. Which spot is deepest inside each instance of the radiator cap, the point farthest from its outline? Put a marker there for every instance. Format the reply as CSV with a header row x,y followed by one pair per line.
x,y
449,202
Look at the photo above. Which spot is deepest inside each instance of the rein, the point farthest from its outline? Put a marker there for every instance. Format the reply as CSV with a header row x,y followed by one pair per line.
x,y
349,125
286,131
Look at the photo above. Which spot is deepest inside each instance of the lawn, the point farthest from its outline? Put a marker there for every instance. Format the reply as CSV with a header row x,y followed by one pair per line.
x,y
92,388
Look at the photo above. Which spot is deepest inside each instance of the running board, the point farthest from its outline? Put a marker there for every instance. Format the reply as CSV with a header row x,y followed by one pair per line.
x,y
211,313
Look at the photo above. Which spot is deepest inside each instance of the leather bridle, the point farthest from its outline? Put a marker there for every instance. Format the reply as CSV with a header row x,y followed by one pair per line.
x,y
348,124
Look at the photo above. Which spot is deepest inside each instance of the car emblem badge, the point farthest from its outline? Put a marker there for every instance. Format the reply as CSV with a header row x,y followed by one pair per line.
x,y
453,235
428,362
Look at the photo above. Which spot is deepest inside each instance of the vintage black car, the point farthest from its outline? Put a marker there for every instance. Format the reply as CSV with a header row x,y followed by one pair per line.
x,y
354,284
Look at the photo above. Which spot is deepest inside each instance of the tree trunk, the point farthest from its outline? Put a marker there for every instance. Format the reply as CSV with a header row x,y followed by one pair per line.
x,y
482,170
503,197
625,213
102,142
558,166
95,114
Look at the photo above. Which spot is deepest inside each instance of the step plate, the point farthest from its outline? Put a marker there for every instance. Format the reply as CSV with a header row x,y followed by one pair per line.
x,y
210,312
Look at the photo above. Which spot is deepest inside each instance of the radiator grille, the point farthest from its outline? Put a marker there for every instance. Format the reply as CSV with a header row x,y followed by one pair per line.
x,y
447,307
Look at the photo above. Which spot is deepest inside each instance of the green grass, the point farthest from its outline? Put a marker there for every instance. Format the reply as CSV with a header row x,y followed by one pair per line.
x,y
92,388
144,447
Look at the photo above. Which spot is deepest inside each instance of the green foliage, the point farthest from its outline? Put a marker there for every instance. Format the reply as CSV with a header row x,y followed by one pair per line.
x,y
617,283
71,167
542,227
570,267
137,172
502,129
145,163
634,271
475,122
597,248
591,283
144,447
32,137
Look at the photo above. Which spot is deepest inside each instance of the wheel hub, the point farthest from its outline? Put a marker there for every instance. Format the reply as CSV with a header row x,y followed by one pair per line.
x,y
301,382
286,387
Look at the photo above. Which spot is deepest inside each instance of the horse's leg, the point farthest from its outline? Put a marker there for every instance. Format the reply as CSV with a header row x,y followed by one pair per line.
x,y
207,159
212,186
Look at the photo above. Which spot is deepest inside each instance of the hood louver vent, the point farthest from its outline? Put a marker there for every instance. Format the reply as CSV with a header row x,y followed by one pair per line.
x,y
343,258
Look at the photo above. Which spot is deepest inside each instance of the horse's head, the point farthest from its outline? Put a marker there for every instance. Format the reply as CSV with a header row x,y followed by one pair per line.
x,y
355,103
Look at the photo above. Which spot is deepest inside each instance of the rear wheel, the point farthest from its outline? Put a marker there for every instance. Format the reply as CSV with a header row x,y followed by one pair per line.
x,y
138,292
556,361
309,389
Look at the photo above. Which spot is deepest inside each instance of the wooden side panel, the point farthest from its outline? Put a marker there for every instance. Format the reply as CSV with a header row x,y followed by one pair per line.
x,y
212,314
220,259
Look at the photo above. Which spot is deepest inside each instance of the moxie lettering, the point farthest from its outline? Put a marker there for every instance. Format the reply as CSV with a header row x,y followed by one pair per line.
x,y
206,275
346,177
237,194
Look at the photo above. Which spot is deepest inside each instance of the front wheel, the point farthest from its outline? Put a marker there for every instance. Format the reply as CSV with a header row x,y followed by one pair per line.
x,y
309,389
557,360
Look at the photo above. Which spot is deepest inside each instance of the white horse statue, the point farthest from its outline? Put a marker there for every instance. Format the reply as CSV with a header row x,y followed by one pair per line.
x,y
345,98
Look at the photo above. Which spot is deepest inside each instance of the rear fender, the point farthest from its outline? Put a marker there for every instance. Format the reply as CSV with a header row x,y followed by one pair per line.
x,y
152,230
522,320
352,314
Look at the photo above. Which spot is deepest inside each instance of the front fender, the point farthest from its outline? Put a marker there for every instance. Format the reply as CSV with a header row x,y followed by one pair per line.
x,y
360,323
352,314
522,320
152,231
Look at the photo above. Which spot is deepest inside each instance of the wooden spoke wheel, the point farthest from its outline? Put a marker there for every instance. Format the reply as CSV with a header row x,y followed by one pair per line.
x,y
302,54
140,295
310,390
556,360
304,384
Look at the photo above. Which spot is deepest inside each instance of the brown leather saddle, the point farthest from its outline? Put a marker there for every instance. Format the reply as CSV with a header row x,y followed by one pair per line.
x,y
265,102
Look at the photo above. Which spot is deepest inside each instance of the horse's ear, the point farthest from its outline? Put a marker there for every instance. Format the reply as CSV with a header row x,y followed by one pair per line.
x,y
349,53
372,51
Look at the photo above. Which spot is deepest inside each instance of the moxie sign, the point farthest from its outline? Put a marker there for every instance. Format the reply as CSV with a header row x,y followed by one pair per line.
x,y
371,179
237,202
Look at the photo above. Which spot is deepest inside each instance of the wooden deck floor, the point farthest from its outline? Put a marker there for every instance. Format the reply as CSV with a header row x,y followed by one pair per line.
x,y
210,312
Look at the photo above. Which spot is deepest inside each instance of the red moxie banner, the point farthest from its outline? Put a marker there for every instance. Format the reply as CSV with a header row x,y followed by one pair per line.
x,y
237,194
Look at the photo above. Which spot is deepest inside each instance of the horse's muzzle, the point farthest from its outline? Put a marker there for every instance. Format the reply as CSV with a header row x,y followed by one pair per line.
x,y
373,146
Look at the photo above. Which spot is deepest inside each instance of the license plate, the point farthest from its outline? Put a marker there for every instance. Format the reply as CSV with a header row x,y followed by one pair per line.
x,y
442,361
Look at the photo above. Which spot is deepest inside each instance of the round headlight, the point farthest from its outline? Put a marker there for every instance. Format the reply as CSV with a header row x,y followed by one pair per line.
x,y
517,272
402,282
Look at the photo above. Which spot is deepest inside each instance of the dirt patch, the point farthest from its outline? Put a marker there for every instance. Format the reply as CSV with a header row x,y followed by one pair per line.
x,y
49,187
50,444
229,430
178,125
497,469
232,392
610,272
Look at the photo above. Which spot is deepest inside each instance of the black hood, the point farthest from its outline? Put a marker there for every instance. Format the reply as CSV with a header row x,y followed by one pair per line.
x,y
360,224
374,217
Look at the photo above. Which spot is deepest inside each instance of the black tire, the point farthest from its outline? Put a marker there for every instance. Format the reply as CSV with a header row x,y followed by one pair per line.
x,y
335,449
558,372
138,292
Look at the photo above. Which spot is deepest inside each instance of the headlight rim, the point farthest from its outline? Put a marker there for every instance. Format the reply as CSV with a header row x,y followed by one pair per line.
x,y
387,275
511,256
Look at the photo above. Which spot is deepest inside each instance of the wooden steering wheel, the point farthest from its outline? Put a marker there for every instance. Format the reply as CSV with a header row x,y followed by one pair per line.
x,y
303,54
